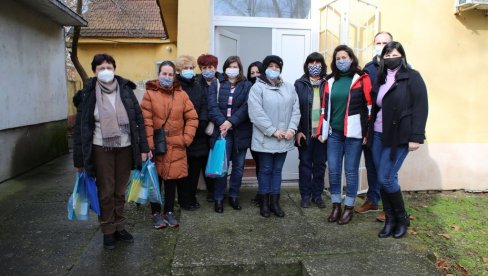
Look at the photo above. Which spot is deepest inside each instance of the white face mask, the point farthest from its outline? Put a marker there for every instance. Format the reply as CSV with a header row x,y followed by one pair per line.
x,y
378,49
232,72
106,75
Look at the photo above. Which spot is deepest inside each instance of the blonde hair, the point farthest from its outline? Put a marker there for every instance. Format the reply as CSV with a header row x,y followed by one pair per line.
x,y
184,61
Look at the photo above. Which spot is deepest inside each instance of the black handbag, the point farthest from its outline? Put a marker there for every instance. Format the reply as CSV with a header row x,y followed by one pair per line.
x,y
159,137
159,141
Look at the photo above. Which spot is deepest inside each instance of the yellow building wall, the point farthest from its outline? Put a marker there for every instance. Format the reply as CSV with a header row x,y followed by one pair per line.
x,y
136,62
451,53
194,27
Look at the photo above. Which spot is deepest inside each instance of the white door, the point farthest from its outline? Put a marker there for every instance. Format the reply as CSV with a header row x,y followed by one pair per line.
x,y
293,46
226,44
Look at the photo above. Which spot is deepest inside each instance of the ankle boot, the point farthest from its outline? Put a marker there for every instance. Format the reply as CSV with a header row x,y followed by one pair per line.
x,y
336,212
390,221
255,200
401,217
264,205
346,215
275,206
234,202
219,206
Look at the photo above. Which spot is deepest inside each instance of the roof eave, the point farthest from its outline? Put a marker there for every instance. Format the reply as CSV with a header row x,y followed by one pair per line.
x,y
56,11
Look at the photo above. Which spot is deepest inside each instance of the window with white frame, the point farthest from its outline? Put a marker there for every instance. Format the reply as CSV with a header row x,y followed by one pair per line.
x,y
299,9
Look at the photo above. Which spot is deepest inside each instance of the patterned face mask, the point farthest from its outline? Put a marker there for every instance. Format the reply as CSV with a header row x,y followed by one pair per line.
x,y
165,82
314,70
343,65
208,74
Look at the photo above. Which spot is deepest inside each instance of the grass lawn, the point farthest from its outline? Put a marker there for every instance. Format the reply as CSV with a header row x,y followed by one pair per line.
x,y
455,226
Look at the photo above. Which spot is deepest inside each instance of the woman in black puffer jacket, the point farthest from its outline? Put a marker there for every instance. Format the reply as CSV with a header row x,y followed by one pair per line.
x,y
197,152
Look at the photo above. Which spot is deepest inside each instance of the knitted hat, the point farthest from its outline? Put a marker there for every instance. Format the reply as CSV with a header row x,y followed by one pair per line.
x,y
272,58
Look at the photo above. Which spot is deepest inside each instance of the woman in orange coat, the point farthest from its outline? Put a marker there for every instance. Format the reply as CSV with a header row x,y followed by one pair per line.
x,y
166,106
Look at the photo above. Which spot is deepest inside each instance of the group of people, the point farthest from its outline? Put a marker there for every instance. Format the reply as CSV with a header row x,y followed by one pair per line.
x,y
330,118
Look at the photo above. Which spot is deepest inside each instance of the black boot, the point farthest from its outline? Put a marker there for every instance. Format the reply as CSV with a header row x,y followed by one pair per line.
x,y
275,206
401,217
264,205
219,206
390,222
255,200
234,202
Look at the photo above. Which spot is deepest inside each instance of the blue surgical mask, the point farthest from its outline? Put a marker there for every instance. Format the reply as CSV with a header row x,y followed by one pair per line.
x,y
343,65
208,74
187,73
272,74
314,70
232,72
165,82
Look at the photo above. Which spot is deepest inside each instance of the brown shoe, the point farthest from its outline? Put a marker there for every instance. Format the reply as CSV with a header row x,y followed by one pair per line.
x,y
335,213
367,206
346,215
381,217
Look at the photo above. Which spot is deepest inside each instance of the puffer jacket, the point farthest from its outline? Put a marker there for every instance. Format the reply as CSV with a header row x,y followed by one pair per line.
x,y
357,110
198,97
179,129
217,110
85,101
273,108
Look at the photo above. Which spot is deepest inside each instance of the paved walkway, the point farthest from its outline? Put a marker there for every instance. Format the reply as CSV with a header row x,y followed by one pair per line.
x,y
36,238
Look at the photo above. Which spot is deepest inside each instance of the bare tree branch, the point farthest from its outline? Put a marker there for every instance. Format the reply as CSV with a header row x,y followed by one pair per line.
x,y
276,6
74,47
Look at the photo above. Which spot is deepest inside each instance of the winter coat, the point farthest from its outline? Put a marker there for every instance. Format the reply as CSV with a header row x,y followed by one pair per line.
x,y
357,110
198,97
179,129
85,101
201,80
304,91
273,108
372,69
404,110
217,111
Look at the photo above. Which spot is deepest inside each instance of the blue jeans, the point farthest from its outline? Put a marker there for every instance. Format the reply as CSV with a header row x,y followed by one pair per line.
x,y
387,168
237,157
270,168
311,169
339,149
373,185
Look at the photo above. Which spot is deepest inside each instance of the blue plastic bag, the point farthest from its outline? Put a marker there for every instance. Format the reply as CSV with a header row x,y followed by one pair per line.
x,y
138,191
144,185
151,176
217,160
92,194
83,198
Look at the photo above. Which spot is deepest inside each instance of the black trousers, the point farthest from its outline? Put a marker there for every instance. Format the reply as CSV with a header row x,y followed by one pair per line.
x,y
197,165
170,187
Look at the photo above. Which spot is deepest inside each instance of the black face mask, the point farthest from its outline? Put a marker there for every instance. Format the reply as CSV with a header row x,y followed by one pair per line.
x,y
393,63
252,80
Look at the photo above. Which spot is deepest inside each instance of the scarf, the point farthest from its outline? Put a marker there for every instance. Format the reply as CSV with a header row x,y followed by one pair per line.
x,y
113,121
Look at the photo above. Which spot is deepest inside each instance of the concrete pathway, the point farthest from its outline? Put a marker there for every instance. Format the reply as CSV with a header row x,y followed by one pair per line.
x,y
36,238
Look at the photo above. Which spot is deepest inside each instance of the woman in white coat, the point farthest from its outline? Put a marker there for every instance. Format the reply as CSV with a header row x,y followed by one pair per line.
x,y
275,113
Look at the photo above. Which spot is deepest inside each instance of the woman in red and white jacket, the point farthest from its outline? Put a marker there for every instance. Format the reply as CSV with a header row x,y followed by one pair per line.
x,y
346,104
